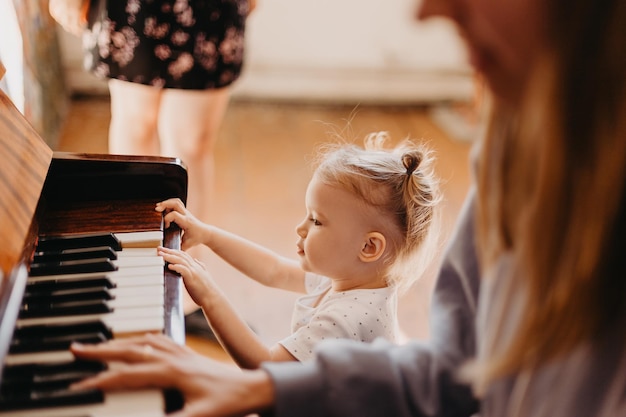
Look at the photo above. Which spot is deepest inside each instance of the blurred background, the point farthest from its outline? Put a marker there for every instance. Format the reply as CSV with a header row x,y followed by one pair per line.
x,y
312,69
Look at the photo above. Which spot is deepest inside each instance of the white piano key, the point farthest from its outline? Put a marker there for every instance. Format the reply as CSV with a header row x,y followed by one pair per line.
x,y
113,319
144,403
156,269
39,357
138,261
152,297
130,327
123,276
139,280
140,239
146,291
138,306
139,325
131,252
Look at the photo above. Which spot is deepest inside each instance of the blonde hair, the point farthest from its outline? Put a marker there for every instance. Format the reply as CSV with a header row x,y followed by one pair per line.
x,y
398,182
552,188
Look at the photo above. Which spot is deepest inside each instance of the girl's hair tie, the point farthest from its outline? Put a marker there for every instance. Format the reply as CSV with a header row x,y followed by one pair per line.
x,y
411,161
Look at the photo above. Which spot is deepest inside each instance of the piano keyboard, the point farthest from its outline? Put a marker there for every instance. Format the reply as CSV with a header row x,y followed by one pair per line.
x,y
90,290
147,403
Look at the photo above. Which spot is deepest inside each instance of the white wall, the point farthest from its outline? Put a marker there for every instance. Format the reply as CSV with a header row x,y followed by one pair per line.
x,y
11,55
339,50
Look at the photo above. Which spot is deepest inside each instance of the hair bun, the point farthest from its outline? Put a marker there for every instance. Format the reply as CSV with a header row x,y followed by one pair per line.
x,y
411,161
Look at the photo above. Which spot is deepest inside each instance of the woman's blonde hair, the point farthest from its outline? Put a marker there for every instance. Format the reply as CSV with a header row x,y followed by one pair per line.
x,y
552,188
400,183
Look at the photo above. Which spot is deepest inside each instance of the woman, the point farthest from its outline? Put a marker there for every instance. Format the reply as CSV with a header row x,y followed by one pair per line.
x,y
170,65
533,325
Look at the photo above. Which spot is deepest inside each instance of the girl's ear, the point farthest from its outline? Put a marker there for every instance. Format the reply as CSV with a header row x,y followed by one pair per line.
x,y
373,247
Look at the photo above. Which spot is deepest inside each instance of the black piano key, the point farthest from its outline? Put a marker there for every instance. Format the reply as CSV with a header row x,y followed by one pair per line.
x,y
48,337
79,266
70,283
54,343
73,308
30,370
47,243
75,254
94,293
174,400
44,330
45,381
44,399
36,385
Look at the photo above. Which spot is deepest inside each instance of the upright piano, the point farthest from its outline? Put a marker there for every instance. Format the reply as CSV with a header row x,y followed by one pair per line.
x,y
78,237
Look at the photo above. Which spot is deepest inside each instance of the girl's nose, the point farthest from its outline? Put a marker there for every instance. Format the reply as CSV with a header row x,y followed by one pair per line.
x,y
301,229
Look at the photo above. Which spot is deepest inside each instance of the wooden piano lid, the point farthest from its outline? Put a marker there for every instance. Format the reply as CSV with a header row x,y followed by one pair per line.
x,y
24,162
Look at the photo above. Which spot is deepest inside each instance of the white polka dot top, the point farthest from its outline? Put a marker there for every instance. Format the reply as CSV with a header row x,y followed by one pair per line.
x,y
361,315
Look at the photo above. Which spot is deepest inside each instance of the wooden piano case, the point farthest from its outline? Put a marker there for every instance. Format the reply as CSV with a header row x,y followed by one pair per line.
x,y
49,193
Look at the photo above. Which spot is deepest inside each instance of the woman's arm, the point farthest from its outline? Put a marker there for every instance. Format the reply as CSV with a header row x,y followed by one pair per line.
x,y
209,388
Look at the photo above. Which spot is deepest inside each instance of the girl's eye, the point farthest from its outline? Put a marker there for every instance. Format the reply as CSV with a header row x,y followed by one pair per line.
x,y
315,222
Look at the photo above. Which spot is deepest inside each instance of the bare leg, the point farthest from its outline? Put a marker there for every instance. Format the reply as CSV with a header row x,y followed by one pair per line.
x,y
134,117
188,126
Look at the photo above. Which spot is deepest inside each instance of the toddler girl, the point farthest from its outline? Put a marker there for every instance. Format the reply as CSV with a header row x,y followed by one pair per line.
x,y
367,234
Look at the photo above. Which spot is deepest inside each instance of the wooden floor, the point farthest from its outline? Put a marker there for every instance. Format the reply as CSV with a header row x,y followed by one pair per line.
x,y
263,171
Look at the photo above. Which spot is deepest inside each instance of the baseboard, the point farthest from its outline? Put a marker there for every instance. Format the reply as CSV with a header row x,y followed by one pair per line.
x,y
376,87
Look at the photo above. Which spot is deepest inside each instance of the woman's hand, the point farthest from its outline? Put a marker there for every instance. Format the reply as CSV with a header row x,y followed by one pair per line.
x,y
175,212
209,388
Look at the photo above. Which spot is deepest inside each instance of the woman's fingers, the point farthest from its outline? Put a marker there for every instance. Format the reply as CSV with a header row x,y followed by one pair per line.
x,y
130,349
165,344
128,377
155,361
142,357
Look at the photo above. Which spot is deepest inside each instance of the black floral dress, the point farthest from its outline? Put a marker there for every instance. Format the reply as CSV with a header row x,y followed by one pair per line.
x,y
186,44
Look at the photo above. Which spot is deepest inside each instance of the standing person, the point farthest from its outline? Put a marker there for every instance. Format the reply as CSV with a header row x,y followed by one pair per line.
x,y
367,232
528,311
169,65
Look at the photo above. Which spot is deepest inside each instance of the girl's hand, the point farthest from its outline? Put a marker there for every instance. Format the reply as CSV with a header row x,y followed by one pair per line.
x,y
198,281
176,212
209,388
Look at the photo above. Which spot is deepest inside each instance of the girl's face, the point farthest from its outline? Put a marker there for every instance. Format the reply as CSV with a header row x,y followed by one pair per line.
x,y
332,232
503,38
